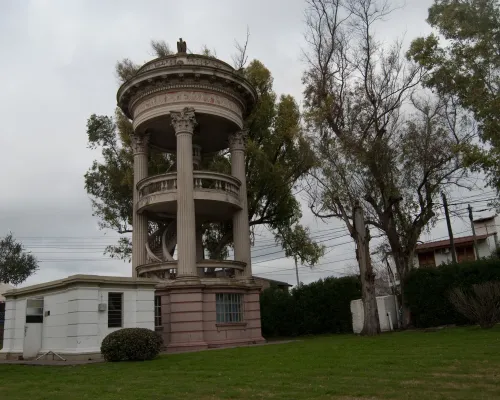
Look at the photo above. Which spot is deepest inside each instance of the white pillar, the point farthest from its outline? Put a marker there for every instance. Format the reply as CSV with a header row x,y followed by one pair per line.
x,y
139,222
184,122
241,229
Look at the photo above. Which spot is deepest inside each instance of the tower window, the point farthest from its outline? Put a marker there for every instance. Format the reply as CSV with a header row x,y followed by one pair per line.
x,y
229,307
157,311
115,310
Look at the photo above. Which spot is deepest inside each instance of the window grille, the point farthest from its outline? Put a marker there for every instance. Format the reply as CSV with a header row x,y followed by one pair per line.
x,y
115,310
229,307
157,311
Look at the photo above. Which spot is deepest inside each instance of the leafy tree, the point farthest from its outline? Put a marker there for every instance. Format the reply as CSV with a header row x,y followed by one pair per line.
x,y
466,65
16,265
278,156
375,140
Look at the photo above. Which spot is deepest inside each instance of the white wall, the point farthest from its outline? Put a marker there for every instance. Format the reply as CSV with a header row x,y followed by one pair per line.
x,y
13,335
75,325
385,304
486,247
442,258
487,227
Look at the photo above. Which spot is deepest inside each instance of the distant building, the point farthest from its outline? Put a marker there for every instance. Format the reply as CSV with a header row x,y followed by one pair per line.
x,y
435,253
267,283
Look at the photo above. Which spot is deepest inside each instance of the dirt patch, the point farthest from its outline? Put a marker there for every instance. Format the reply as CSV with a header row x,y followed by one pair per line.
x,y
413,382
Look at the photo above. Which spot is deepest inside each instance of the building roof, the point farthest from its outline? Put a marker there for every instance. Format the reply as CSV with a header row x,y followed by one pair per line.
x,y
279,283
3,288
442,244
96,280
485,219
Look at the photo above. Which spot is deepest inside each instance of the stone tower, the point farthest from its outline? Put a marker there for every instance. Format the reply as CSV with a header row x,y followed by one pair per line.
x,y
192,105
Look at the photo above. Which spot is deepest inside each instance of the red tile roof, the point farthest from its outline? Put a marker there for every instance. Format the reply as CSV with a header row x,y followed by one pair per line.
x,y
446,243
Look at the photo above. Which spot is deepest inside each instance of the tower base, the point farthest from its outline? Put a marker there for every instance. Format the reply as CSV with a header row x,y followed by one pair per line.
x,y
193,319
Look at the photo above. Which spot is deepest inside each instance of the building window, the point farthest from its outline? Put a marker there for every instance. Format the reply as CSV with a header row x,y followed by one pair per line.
x,y
115,310
229,307
34,311
157,311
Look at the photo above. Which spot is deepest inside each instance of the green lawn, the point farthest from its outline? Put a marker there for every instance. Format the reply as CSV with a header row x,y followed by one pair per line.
x,y
460,363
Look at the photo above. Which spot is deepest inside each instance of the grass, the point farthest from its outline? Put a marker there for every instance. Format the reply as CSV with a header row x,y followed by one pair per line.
x,y
459,363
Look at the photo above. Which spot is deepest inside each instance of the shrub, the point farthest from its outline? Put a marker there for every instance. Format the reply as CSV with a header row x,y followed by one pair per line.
x,y
319,307
427,290
480,305
131,344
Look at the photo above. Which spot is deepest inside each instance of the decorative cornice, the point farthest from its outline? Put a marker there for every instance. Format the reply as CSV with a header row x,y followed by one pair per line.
x,y
186,59
149,82
237,140
183,121
191,86
140,143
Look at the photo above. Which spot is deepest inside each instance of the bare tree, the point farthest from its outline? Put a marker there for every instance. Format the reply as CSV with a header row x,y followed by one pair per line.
x,y
240,58
481,304
375,140
161,48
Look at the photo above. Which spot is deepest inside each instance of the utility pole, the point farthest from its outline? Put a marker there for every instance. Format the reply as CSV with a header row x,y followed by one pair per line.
x,y
297,271
473,232
450,231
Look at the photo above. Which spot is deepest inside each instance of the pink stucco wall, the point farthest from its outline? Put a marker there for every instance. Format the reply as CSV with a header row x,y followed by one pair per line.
x,y
189,318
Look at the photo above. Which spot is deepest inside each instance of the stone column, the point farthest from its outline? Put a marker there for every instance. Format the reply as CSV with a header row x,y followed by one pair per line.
x,y
184,122
241,229
139,222
199,248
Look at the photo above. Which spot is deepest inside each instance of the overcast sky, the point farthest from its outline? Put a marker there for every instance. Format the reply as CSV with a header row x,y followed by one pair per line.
x,y
57,68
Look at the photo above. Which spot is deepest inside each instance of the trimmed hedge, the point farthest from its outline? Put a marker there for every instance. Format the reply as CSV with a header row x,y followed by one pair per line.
x,y
426,290
319,307
131,344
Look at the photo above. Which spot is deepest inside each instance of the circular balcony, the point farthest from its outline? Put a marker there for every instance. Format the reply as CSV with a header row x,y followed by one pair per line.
x,y
216,196
220,96
167,270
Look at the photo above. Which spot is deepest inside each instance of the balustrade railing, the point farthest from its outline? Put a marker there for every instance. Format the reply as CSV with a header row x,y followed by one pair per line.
x,y
217,182
201,180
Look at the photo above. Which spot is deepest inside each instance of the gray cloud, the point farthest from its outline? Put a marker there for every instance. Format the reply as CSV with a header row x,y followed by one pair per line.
x,y
58,61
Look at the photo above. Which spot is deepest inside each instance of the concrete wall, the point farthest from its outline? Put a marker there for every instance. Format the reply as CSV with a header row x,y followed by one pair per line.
x,y
385,304
486,247
75,325
189,318
487,227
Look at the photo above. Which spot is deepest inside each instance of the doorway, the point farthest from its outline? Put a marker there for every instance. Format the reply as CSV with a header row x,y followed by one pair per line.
x,y
33,327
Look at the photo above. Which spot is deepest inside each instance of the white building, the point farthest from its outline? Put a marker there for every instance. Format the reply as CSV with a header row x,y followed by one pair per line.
x,y
71,316
387,307
435,253
4,287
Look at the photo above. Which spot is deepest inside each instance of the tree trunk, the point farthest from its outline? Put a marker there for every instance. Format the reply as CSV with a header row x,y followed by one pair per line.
x,y
371,325
403,265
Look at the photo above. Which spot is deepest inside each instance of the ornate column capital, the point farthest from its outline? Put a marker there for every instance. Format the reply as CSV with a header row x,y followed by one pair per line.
x,y
237,140
140,143
183,121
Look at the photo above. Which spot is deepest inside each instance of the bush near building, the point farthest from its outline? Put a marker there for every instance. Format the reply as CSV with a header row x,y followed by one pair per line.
x,y
427,290
316,308
131,344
